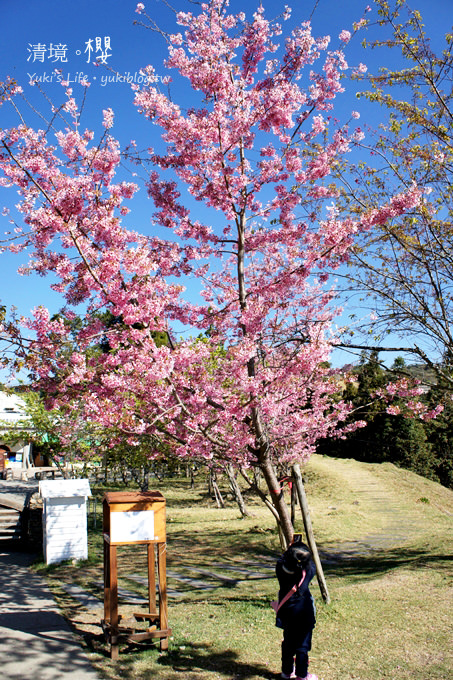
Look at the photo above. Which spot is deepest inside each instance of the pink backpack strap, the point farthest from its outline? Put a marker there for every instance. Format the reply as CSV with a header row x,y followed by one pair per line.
x,y
291,592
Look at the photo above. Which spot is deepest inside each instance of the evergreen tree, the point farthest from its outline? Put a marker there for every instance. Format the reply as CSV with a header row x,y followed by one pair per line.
x,y
386,437
440,430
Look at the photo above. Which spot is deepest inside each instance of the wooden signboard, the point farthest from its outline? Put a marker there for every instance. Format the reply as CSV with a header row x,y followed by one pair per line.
x,y
135,518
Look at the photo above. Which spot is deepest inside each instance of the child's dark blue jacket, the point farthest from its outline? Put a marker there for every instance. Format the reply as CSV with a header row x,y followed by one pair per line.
x,y
299,609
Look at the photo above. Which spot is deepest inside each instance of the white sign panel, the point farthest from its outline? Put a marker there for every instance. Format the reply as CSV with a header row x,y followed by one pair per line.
x,y
131,526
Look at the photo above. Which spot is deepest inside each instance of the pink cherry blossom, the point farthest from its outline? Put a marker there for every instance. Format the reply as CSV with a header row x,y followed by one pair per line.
x,y
108,118
345,36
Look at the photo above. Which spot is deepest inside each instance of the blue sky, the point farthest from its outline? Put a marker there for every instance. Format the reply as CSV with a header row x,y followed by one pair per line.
x,y
41,35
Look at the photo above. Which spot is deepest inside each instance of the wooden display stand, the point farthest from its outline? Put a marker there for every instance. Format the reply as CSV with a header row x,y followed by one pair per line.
x,y
131,518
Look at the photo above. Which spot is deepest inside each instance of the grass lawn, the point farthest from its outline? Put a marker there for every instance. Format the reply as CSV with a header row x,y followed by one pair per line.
x,y
391,610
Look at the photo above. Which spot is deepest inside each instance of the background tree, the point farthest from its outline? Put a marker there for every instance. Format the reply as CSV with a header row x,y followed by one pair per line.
x,y
404,265
440,431
390,434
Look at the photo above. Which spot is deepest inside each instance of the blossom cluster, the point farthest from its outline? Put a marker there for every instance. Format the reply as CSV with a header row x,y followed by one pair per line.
x,y
402,397
254,383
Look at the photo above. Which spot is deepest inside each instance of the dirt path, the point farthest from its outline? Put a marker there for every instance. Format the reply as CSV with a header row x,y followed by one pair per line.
x,y
389,499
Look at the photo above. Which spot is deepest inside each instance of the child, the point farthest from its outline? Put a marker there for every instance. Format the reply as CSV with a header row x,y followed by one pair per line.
x,y
295,609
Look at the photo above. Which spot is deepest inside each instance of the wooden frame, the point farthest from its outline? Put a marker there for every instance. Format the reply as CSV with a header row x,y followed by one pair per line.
x,y
131,530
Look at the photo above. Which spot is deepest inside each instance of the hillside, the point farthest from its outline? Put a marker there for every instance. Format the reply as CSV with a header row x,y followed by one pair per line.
x,y
375,504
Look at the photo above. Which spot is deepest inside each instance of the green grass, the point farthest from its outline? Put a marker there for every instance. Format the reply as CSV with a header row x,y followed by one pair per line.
x,y
391,610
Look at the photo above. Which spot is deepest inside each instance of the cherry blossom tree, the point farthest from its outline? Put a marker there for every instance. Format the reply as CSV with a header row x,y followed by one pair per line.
x,y
253,388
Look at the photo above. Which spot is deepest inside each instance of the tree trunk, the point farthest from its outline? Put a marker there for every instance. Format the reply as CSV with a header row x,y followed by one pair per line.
x,y
309,531
60,468
106,469
210,489
145,485
236,491
261,494
257,476
285,525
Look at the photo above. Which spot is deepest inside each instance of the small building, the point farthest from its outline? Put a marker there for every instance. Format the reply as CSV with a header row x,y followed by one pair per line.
x,y
64,518
13,415
24,458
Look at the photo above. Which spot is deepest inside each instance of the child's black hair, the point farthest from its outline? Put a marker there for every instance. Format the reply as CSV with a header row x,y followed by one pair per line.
x,y
297,556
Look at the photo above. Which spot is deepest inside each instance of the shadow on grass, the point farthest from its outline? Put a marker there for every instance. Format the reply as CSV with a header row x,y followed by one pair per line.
x,y
376,562
189,657
199,657
229,544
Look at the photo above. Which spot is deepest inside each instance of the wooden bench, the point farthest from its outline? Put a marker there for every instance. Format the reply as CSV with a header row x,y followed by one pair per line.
x,y
42,473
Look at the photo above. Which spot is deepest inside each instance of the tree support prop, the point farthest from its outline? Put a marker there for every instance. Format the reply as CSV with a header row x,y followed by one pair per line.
x,y
309,531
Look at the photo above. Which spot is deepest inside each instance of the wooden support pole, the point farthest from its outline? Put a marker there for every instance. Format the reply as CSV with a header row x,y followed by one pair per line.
x,y
309,531
293,503
113,593
151,579
163,605
106,582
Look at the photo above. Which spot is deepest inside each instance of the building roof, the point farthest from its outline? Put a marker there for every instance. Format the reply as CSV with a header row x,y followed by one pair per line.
x,y
64,488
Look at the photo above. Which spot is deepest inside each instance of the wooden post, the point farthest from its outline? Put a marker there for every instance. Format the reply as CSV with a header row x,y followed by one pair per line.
x,y
106,582
151,579
111,618
309,531
293,503
163,608
113,587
